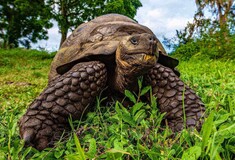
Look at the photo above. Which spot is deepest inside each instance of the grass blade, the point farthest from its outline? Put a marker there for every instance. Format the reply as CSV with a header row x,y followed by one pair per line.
x,y
80,150
206,131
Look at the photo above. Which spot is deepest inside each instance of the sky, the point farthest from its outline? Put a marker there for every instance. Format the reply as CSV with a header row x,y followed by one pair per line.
x,y
163,17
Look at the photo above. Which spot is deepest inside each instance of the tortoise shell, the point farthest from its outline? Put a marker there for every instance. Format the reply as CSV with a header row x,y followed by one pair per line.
x,y
98,37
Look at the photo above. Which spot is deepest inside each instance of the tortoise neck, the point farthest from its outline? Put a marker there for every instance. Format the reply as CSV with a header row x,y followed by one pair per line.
x,y
125,79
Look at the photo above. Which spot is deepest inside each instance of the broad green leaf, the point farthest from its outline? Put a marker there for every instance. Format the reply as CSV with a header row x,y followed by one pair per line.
x,y
124,110
136,107
58,154
124,114
193,153
139,116
222,119
145,90
92,148
227,130
130,95
128,119
118,144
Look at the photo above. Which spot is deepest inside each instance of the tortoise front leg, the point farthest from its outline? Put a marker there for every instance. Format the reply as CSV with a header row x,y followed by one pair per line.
x,y
181,104
70,94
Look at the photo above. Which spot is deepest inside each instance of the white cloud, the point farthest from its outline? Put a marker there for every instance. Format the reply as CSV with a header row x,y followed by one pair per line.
x,y
165,17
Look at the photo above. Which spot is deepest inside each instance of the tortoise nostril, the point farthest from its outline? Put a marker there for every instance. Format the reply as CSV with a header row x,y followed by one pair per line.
x,y
151,39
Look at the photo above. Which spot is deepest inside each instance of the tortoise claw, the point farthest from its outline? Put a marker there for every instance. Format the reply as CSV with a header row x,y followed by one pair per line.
x,y
28,135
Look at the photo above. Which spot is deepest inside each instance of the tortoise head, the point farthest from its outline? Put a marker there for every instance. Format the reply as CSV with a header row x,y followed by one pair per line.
x,y
135,55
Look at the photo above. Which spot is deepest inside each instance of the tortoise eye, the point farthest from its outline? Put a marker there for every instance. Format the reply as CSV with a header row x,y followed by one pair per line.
x,y
134,41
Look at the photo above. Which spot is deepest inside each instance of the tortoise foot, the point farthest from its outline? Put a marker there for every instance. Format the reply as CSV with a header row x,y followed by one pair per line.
x,y
182,106
69,95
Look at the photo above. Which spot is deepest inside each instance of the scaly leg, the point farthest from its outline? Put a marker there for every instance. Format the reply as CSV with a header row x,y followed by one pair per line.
x,y
68,95
181,104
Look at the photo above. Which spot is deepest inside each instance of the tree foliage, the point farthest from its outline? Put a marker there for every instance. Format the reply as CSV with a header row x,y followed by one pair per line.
x,y
211,33
222,9
71,13
212,16
23,22
125,7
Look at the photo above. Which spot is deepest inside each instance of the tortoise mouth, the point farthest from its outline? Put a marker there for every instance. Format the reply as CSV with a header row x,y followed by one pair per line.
x,y
145,58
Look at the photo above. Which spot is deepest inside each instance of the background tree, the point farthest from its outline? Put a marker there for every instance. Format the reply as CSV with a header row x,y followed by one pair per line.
x,y
125,7
210,34
71,13
23,22
221,9
212,16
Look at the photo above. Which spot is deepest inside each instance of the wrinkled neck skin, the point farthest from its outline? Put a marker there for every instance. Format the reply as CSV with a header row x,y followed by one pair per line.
x,y
126,76
125,80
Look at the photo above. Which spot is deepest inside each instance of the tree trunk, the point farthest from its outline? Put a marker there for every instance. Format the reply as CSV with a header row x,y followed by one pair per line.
x,y
63,36
64,25
223,12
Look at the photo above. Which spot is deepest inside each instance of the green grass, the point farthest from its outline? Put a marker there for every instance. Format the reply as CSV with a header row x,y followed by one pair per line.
x,y
116,132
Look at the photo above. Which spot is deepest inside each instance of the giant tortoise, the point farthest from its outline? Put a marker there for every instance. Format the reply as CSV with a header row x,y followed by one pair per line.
x,y
108,54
